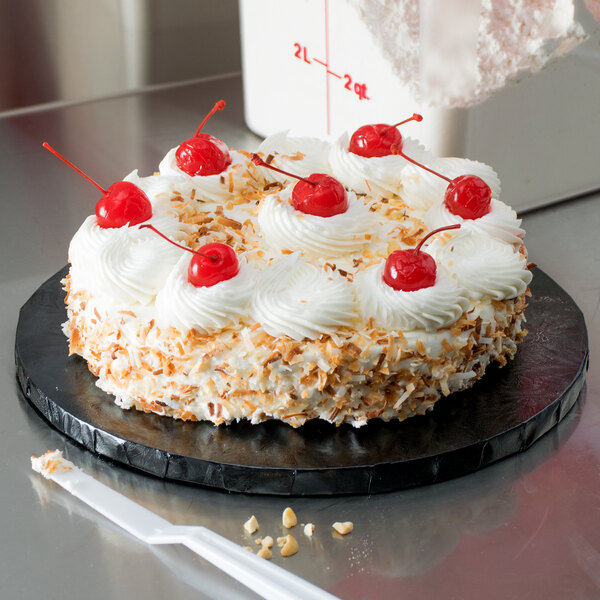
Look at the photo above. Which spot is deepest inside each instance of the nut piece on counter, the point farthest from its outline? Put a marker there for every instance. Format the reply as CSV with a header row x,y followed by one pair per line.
x,y
343,528
264,552
309,529
288,544
289,518
251,525
267,541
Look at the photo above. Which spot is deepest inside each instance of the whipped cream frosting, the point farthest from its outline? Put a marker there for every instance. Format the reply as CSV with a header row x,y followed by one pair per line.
x,y
285,228
379,176
301,156
426,309
486,266
128,264
421,189
500,222
296,298
205,309
211,188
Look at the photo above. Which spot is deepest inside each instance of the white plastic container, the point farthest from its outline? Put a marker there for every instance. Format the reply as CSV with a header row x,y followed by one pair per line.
x,y
313,67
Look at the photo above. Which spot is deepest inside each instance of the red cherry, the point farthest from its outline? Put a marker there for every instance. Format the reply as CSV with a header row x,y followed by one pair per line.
x,y
205,271
320,195
411,270
407,270
377,140
204,154
467,196
122,204
211,264
325,199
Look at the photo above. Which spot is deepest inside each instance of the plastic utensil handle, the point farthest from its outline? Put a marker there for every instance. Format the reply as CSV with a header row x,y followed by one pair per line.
x,y
266,579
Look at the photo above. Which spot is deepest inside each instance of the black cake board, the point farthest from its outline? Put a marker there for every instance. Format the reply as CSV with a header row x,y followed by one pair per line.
x,y
504,413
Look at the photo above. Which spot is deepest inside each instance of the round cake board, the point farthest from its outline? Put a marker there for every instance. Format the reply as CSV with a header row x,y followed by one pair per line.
x,y
504,413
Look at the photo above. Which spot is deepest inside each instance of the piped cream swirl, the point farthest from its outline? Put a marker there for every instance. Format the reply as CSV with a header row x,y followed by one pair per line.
x,y
421,189
301,156
296,298
378,176
127,264
205,309
486,266
212,188
500,222
426,309
285,228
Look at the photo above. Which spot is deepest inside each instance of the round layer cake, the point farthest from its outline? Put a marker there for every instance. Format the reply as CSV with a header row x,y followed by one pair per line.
x,y
308,327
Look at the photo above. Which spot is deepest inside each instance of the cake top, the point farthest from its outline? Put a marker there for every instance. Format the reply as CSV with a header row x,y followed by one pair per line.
x,y
304,238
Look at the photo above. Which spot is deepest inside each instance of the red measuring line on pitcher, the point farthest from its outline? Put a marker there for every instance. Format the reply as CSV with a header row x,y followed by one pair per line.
x,y
360,89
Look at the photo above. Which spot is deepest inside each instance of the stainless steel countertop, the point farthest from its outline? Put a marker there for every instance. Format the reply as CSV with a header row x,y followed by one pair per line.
x,y
527,527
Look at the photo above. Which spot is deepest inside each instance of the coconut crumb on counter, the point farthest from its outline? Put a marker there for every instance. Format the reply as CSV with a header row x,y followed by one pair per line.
x,y
309,529
51,462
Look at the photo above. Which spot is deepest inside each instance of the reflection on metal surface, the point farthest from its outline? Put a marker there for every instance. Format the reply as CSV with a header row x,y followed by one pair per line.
x,y
71,50
397,536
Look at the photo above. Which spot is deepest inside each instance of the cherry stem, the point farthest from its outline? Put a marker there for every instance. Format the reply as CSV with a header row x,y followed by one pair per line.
x,y
220,105
415,117
257,160
398,152
51,149
446,228
162,235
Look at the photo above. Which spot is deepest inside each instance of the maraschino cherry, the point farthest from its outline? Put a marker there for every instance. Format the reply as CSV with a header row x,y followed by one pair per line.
x,y
467,196
122,204
412,269
319,194
377,140
211,264
204,154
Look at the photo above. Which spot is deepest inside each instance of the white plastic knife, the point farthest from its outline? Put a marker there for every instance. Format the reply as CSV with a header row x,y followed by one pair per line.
x,y
261,576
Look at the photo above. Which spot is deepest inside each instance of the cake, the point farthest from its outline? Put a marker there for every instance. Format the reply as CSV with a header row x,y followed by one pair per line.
x,y
306,324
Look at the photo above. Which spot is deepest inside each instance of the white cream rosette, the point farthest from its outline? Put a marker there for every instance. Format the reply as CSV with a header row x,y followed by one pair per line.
x,y
426,309
421,189
207,309
296,298
128,264
500,222
484,265
208,188
285,228
379,176
300,156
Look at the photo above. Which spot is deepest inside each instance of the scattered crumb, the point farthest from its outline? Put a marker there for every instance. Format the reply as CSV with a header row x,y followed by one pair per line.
x,y
264,552
249,548
288,544
343,528
289,519
266,542
51,462
251,525
309,529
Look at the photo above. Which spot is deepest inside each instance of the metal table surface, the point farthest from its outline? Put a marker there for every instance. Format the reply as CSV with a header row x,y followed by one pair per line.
x,y
527,527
